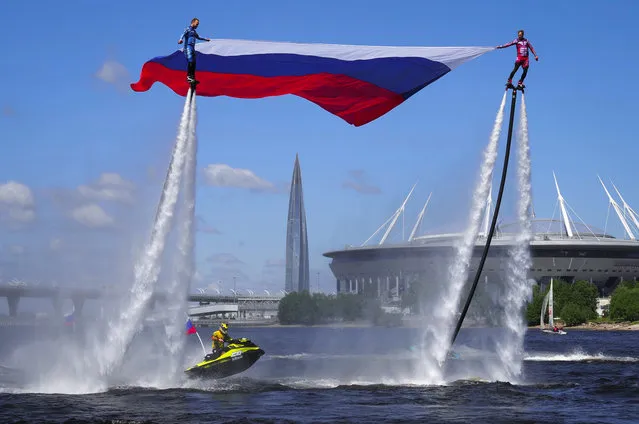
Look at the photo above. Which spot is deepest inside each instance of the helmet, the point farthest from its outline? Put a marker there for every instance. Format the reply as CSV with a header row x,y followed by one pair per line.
x,y
224,327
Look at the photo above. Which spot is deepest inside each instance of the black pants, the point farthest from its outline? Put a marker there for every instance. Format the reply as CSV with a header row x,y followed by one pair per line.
x,y
190,70
523,75
189,53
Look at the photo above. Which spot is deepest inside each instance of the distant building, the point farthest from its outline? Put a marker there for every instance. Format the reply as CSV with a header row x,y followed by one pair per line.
x,y
560,249
297,271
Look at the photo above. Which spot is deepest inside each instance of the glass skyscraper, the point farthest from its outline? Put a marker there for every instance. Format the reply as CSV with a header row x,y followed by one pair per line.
x,y
297,272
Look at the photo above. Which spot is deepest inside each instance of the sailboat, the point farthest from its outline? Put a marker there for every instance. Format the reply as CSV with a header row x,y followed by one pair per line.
x,y
548,303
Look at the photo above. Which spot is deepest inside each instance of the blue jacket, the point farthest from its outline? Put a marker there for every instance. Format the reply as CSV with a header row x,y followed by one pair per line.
x,y
189,35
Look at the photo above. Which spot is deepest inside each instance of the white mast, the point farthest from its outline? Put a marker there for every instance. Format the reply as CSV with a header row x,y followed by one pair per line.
x,y
562,206
380,228
397,213
551,306
419,219
627,207
618,211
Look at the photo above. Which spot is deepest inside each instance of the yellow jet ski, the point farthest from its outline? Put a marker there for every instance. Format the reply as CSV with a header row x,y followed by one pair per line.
x,y
239,355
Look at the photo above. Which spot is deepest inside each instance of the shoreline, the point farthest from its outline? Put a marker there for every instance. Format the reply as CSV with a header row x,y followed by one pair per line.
x,y
601,326
589,326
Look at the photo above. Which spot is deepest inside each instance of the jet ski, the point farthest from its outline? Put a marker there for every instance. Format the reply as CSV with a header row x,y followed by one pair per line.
x,y
238,356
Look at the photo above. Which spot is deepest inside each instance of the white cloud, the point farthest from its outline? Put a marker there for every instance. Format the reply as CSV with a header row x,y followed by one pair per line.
x,y
359,183
113,72
18,215
222,175
16,194
16,203
109,187
92,216
114,179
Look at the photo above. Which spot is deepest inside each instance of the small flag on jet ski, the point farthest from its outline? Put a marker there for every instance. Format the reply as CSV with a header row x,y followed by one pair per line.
x,y
190,328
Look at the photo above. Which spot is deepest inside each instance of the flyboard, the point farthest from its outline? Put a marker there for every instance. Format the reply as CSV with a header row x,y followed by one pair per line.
x,y
193,84
520,87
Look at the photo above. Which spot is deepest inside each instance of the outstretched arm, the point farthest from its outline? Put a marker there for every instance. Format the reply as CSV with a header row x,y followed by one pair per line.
x,y
503,46
200,38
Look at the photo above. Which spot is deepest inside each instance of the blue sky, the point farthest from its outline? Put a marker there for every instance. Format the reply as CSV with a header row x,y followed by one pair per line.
x,y
68,117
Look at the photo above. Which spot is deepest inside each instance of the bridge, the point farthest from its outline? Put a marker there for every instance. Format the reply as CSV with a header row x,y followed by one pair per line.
x,y
241,307
208,304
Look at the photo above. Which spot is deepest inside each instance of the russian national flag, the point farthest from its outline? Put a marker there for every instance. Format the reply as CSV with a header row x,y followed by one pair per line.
x,y
69,319
357,83
190,328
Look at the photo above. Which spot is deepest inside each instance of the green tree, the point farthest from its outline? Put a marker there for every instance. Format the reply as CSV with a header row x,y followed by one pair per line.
x,y
584,294
298,308
304,308
624,302
562,295
574,314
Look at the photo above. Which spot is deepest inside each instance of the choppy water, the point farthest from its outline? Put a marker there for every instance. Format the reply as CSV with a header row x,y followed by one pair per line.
x,y
336,375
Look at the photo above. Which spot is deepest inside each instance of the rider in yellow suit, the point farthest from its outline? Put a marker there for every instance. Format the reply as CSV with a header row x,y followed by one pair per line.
x,y
219,337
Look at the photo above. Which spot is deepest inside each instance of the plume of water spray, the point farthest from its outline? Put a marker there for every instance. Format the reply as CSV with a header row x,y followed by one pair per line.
x,y
123,328
518,288
441,324
179,285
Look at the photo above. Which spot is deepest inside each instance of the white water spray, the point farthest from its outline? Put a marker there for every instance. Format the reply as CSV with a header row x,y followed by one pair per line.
x,y
438,336
518,289
124,327
178,288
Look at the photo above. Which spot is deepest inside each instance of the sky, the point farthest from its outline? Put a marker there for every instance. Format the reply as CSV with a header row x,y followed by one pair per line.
x,y
84,156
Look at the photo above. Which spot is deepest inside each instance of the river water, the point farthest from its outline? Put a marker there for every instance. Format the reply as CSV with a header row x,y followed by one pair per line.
x,y
331,375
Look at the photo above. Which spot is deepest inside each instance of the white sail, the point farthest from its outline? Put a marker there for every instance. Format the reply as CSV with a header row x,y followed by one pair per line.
x,y
549,303
543,311
551,308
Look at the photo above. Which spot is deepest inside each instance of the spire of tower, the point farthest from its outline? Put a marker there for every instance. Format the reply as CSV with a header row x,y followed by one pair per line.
x,y
297,267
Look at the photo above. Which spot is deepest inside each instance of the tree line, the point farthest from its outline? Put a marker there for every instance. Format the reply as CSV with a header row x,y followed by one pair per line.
x,y
624,302
304,308
574,304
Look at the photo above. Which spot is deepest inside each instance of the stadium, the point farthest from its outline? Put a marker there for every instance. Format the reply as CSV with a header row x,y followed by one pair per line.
x,y
560,248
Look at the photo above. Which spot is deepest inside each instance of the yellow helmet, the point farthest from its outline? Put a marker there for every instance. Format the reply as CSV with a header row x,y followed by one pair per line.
x,y
224,327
